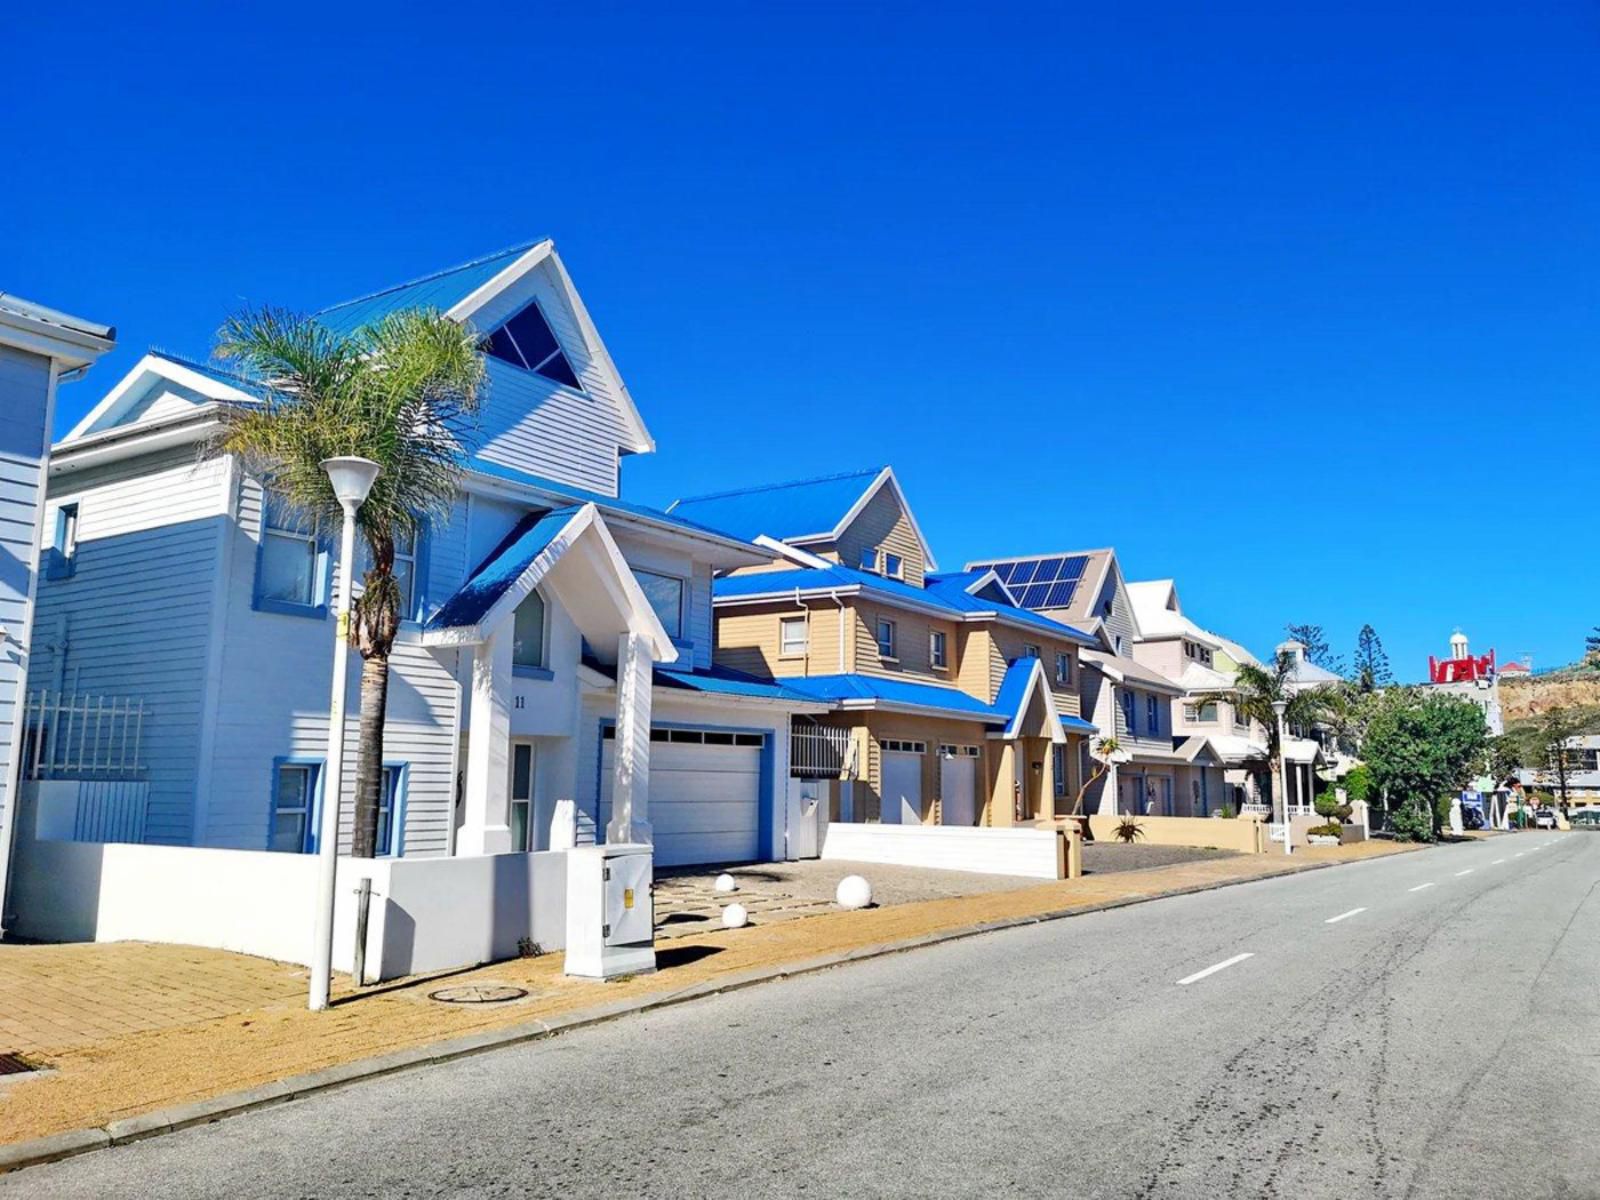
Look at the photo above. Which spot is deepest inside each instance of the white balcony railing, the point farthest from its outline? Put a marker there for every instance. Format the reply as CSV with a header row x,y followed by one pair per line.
x,y
76,735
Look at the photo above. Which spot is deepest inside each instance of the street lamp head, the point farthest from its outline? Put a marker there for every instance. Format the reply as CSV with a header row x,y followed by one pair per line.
x,y
1279,707
352,479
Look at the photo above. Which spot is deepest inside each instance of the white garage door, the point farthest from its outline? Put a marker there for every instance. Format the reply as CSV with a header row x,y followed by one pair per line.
x,y
705,789
958,785
902,788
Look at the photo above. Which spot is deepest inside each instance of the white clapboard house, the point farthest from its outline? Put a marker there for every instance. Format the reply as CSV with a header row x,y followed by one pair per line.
x,y
180,685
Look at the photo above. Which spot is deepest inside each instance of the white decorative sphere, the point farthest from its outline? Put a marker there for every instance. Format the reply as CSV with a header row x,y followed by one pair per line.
x,y
735,917
853,892
726,883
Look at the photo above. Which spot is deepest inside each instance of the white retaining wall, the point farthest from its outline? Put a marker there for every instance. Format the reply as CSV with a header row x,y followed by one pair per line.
x,y
1030,852
427,914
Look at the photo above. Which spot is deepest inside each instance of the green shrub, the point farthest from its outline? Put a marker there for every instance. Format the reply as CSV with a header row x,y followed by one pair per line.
x,y
1327,804
1129,831
1358,784
1228,811
1328,830
1412,821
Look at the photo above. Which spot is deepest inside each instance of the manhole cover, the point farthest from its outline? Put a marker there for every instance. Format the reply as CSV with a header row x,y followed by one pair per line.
x,y
15,1064
478,993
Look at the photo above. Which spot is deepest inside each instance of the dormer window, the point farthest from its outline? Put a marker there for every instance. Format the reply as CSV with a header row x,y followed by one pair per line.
x,y
892,566
526,341
869,559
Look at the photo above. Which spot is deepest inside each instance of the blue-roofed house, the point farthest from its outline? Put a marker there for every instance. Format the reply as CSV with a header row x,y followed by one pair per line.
x,y
558,640
1173,758
959,706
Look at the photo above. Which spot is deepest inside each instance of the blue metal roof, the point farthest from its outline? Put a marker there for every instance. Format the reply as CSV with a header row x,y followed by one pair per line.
x,y
944,591
441,290
834,688
720,681
781,510
1078,724
483,466
515,554
1014,685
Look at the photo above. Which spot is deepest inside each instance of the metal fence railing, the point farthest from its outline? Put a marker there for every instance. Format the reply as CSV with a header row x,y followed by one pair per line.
x,y
77,735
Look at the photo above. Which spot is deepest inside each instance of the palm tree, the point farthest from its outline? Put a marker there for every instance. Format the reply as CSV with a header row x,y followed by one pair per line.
x,y
1103,750
402,392
1256,688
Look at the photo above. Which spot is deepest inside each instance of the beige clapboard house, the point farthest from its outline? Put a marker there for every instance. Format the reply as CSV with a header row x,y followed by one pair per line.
x,y
951,704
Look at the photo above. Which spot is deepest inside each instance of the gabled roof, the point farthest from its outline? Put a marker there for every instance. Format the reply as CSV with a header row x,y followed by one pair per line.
x,y
1068,582
498,573
801,511
943,597
1121,669
213,383
441,290
71,341
1023,681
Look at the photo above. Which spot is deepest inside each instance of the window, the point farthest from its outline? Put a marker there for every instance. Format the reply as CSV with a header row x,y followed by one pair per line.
x,y
294,792
950,750
522,796
286,572
885,638
665,593
1030,651
526,341
1063,668
869,559
792,637
1240,719
892,566
1203,714
64,549
937,656
1152,712
390,808
1128,713
527,633
1058,769
896,745
404,570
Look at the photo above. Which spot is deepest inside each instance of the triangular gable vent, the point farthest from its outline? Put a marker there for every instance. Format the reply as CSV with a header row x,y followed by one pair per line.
x,y
526,341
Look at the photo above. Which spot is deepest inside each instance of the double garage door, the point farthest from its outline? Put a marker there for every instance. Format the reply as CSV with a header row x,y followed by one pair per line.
x,y
705,794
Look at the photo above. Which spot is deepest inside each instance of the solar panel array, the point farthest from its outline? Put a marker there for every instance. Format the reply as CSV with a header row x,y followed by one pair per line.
x,y
1041,582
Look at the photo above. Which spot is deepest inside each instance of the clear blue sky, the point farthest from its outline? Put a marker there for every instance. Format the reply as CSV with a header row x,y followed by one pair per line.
x,y
1297,307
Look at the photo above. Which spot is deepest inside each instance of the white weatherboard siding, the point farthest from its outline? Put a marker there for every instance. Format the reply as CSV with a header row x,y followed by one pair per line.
x,y
533,424
136,612
271,701
24,401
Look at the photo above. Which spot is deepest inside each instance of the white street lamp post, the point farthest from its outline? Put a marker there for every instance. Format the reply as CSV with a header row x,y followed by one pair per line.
x,y
1279,707
352,479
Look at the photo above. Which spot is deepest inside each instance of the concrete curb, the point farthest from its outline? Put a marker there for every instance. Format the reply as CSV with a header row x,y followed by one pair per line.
x,y
201,1112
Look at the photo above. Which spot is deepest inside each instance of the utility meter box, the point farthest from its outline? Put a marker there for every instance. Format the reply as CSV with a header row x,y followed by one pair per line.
x,y
610,912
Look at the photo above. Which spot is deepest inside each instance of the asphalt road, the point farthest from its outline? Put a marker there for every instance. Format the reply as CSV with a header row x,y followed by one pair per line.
x,y
1424,1025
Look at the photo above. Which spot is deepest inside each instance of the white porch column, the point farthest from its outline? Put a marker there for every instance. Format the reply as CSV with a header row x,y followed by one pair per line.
x,y
630,781
486,827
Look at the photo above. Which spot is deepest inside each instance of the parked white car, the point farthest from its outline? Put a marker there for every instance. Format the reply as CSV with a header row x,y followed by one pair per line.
x,y
1544,818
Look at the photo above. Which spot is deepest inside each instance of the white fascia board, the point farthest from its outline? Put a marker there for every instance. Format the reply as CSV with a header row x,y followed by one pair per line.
x,y
463,310
157,366
115,444
884,478
792,552
1037,683
858,703
69,348
787,595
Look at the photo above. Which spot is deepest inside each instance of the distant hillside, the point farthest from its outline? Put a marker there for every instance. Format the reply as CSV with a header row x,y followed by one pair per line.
x,y
1571,687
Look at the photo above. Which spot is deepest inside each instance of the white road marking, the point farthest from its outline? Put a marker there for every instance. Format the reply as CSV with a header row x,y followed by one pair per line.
x,y
1468,871
1221,966
1342,916
1419,887
1519,854
1497,862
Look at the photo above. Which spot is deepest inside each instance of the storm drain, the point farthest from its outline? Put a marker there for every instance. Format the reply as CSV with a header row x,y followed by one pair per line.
x,y
478,993
15,1064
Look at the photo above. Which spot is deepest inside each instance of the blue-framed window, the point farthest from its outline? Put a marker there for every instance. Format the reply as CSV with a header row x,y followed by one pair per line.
x,y
1152,712
63,558
666,595
296,786
1129,712
408,561
391,811
1058,756
526,341
291,562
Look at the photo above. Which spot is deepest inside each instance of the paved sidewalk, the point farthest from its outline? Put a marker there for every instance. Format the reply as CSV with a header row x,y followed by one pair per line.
x,y
179,1056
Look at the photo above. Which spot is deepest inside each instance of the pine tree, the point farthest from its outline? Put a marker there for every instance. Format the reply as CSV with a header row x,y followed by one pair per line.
x,y
1318,652
1372,664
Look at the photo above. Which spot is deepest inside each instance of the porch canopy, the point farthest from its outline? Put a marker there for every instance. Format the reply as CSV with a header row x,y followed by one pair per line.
x,y
570,555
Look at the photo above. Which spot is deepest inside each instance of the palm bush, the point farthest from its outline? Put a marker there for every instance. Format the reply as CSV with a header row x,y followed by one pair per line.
x,y
403,392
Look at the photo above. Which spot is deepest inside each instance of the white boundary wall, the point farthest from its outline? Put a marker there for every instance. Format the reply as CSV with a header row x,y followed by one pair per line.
x,y
427,914
988,851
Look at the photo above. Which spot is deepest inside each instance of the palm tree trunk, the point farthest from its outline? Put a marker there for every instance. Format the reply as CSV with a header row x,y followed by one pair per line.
x,y
369,760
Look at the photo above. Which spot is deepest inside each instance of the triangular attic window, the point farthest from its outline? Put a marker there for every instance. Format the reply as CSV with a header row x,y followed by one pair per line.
x,y
526,341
